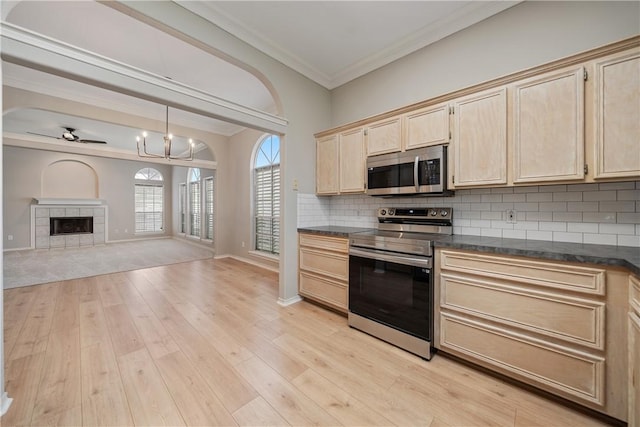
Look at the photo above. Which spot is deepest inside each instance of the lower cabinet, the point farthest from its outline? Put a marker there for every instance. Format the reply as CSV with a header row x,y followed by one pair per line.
x,y
634,351
324,269
558,326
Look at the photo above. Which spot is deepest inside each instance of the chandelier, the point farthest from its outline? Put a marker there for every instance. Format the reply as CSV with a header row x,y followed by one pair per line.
x,y
167,146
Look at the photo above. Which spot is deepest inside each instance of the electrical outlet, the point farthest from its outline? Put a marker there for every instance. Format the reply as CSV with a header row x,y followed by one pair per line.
x,y
295,184
10,237
511,216
243,244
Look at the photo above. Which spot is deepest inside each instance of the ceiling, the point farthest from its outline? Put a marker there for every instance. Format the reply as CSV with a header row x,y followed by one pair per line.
x,y
330,42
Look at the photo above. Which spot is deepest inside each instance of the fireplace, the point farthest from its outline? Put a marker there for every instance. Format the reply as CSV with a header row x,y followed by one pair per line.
x,y
70,225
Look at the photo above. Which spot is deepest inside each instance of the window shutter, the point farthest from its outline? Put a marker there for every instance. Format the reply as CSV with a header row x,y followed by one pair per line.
x,y
148,208
209,207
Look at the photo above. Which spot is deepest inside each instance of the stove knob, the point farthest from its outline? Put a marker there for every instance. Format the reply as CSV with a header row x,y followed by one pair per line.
x,y
392,212
444,213
383,212
434,212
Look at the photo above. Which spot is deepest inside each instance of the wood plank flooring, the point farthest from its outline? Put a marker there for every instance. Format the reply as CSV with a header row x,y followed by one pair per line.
x,y
205,343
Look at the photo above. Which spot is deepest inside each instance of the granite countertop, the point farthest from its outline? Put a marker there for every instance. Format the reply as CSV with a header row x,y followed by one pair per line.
x,y
333,230
621,256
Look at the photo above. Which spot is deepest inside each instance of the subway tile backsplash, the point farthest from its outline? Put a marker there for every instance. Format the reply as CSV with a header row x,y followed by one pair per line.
x,y
605,213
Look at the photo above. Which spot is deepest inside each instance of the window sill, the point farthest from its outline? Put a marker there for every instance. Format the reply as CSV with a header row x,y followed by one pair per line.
x,y
265,255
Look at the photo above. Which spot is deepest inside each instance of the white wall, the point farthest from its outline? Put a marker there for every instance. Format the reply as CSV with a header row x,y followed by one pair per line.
x,y
526,35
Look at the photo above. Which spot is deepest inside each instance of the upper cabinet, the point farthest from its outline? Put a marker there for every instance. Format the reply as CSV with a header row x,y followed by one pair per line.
x,y
548,126
340,163
480,139
352,161
384,136
327,166
573,120
617,116
427,126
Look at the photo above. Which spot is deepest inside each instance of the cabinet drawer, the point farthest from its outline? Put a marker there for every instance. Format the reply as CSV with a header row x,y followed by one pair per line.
x,y
328,243
324,290
634,295
576,320
560,276
325,263
562,371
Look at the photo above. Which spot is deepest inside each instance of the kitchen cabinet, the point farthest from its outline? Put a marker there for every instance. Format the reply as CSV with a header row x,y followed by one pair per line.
x,y
427,126
352,161
327,166
617,116
384,136
558,326
340,163
480,139
634,351
548,126
324,269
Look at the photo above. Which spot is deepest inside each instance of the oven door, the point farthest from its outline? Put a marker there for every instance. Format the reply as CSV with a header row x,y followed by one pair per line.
x,y
393,289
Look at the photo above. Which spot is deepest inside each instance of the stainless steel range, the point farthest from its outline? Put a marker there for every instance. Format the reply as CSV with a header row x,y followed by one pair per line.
x,y
390,276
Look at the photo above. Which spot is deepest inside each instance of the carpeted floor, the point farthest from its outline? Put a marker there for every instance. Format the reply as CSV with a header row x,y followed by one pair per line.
x,y
23,268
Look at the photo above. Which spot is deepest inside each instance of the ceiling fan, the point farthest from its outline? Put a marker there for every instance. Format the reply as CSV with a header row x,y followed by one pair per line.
x,y
69,135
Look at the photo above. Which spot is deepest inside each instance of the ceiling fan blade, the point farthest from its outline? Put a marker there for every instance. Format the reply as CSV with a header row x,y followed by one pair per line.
x,y
91,141
41,134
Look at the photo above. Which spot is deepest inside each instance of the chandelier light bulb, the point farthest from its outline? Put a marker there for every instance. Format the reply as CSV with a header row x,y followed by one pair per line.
x,y
137,139
170,136
144,134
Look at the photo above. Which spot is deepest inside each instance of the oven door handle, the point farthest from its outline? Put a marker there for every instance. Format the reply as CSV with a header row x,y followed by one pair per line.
x,y
416,164
395,258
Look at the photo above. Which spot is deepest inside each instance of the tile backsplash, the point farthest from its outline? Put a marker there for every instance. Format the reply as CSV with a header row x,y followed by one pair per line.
x,y
604,213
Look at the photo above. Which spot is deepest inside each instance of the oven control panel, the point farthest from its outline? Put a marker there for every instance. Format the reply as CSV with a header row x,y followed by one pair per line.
x,y
416,213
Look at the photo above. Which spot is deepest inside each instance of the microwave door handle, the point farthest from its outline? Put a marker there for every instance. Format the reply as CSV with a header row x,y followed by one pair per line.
x,y
416,162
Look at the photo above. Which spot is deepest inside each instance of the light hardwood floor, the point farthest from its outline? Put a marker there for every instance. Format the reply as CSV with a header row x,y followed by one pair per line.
x,y
204,343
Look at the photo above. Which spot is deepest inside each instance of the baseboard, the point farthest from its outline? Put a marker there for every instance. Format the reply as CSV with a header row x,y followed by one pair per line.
x,y
248,261
17,249
289,301
5,402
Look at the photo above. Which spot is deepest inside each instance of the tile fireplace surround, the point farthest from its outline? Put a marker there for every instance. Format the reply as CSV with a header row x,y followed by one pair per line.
x,y
44,209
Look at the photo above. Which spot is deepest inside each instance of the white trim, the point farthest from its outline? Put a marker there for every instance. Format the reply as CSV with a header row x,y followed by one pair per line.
x,y
248,261
5,402
72,202
289,301
265,255
27,248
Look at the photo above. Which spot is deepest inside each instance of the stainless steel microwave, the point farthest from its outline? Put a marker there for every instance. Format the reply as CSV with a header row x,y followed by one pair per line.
x,y
422,171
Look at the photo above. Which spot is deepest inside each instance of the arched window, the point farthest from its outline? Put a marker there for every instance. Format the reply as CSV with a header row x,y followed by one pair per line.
x,y
149,201
266,191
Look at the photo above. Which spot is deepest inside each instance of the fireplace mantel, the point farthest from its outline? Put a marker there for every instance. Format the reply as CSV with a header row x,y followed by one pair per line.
x,y
67,202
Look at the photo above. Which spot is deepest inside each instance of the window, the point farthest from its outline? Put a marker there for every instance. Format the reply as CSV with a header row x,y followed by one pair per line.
x,y
149,201
194,202
183,207
208,208
266,187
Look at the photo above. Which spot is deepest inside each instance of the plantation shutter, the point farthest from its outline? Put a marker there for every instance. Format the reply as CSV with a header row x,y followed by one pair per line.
x,y
148,208
209,207
267,208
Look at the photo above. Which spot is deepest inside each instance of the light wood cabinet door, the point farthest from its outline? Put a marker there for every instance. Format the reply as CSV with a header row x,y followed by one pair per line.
x,y
480,139
352,161
617,121
327,165
384,136
323,273
634,352
548,124
427,126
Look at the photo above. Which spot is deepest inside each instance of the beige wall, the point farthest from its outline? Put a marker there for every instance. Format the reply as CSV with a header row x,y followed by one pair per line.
x,y
22,177
528,34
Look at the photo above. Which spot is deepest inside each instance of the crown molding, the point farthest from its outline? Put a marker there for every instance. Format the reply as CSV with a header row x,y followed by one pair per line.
x,y
460,19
